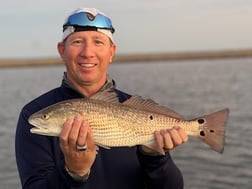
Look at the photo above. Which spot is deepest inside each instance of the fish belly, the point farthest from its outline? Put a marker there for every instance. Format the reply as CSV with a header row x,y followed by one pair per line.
x,y
115,126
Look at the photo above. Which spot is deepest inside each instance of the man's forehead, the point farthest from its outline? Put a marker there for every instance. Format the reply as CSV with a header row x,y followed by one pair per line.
x,y
89,34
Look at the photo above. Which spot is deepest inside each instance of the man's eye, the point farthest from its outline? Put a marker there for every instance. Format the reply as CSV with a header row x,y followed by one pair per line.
x,y
77,42
98,42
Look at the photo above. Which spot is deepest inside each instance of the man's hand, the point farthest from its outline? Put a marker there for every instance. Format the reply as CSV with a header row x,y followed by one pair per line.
x,y
170,138
75,132
167,140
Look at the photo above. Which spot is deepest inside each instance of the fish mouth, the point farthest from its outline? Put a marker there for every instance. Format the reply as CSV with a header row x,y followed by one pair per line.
x,y
43,131
34,122
39,130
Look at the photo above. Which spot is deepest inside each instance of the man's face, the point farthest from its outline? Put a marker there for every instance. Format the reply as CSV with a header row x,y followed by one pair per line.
x,y
87,55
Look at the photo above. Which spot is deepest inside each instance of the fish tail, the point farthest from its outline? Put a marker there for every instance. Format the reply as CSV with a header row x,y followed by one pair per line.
x,y
212,129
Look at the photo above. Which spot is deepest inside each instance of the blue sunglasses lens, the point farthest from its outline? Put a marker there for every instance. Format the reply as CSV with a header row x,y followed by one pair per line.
x,y
83,19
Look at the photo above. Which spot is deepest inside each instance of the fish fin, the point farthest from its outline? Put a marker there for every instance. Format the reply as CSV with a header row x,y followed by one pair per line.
x,y
97,149
108,95
151,106
212,129
103,146
151,147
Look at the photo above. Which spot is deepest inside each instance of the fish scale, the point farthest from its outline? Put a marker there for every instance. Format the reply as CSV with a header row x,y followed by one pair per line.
x,y
130,123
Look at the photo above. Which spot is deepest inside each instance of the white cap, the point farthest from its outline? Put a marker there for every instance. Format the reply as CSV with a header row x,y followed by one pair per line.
x,y
69,29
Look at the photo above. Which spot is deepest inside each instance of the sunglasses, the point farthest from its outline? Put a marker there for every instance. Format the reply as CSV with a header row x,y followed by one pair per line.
x,y
84,19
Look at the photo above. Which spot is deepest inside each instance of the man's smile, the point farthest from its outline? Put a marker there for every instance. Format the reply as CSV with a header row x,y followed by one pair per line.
x,y
90,65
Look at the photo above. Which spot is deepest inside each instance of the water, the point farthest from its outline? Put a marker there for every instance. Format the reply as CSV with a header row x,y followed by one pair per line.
x,y
191,88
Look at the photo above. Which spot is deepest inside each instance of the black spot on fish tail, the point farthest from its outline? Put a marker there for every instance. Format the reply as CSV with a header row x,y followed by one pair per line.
x,y
202,133
212,129
201,121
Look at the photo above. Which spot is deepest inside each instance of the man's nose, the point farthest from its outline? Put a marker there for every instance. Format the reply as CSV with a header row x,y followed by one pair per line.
x,y
87,50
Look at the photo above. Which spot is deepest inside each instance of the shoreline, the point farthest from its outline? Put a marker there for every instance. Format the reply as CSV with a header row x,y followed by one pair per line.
x,y
128,58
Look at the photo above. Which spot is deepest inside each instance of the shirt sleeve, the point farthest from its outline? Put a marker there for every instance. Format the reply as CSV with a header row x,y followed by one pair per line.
x,y
160,172
39,160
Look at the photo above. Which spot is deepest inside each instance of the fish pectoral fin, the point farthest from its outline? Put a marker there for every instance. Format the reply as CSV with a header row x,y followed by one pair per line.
x,y
149,105
103,146
97,149
151,149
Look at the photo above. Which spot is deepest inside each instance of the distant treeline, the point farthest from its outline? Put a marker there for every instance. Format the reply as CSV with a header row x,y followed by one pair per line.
x,y
127,58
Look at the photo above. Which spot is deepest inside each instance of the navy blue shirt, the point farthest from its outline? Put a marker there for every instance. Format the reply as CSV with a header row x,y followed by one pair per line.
x,y
41,163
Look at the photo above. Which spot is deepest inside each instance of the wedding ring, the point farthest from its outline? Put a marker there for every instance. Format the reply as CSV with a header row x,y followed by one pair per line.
x,y
81,148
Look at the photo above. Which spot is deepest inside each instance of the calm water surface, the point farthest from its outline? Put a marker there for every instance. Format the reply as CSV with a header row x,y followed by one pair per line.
x,y
191,88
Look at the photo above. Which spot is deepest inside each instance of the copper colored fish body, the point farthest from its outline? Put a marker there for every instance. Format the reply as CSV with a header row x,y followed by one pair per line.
x,y
128,124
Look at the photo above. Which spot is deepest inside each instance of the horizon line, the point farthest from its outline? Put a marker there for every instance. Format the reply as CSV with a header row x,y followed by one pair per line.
x,y
134,57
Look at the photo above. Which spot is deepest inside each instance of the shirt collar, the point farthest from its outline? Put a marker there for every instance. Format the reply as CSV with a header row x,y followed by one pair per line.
x,y
110,83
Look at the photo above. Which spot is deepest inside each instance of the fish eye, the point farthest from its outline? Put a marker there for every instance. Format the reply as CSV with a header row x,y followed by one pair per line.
x,y
45,116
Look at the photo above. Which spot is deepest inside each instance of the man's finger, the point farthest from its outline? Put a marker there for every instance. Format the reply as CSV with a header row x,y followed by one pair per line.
x,y
65,132
83,134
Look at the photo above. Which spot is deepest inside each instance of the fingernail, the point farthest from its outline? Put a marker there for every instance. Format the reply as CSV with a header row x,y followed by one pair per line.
x,y
176,127
78,116
70,120
84,123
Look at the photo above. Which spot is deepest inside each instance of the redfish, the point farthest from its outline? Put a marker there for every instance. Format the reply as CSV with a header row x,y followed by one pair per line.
x,y
130,123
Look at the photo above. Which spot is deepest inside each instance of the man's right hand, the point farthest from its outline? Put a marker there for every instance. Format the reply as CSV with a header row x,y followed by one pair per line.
x,y
76,131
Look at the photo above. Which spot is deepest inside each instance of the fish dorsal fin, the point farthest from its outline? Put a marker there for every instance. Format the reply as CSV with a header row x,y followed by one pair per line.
x,y
151,106
108,95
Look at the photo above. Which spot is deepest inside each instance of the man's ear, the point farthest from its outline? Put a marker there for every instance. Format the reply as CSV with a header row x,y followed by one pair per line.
x,y
113,50
61,49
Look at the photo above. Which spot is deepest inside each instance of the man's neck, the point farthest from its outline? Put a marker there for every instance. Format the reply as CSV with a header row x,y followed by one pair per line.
x,y
88,90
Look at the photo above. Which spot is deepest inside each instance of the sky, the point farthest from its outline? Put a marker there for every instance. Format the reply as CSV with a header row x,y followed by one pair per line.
x,y
32,29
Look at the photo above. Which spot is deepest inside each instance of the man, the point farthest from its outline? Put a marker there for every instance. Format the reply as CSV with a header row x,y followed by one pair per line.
x,y
71,160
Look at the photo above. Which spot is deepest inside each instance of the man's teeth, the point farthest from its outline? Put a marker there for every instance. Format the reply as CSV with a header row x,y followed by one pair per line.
x,y
87,65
